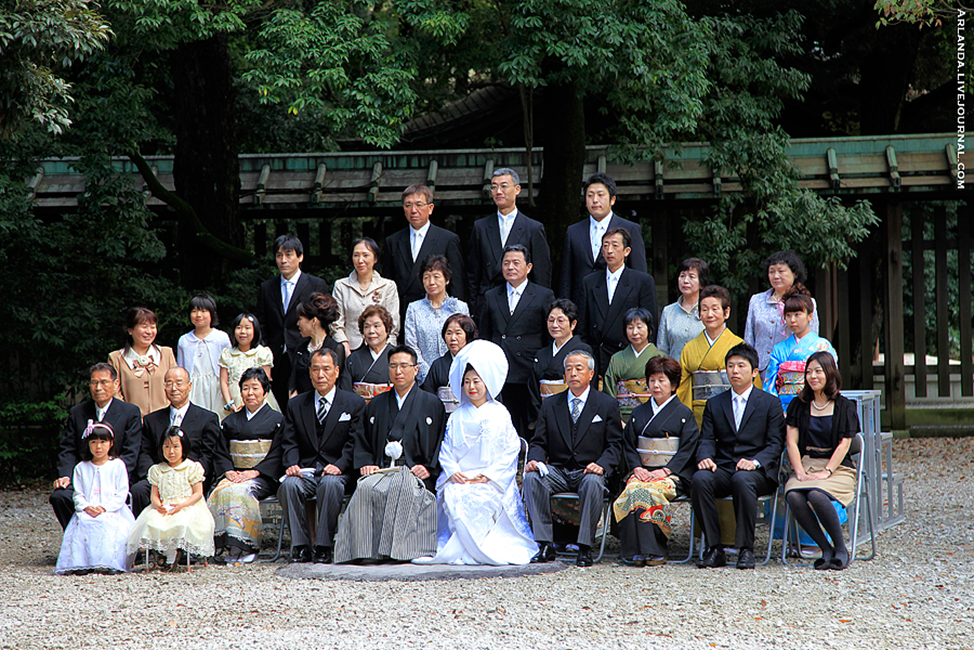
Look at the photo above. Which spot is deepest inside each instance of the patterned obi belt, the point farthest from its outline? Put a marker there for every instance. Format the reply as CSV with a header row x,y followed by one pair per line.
x,y
245,454
709,383
654,452
551,387
367,391
450,401
632,392
791,377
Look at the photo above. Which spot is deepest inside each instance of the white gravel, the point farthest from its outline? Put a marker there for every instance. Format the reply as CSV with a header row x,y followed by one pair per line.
x,y
917,593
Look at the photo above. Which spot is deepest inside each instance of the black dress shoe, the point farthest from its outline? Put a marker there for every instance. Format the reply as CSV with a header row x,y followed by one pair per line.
x,y
745,559
323,555
713,558
584,557
546,553
300,554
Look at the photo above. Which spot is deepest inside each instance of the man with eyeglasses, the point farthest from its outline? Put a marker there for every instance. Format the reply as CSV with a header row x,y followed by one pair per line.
x,y
392,515
125,420
405,250
491,234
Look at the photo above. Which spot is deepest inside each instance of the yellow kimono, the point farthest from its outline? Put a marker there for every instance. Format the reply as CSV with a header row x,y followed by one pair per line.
x,y
707,361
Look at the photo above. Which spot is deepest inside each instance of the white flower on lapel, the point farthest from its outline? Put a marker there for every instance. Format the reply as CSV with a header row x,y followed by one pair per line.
x,y
372,420
394,449
429,420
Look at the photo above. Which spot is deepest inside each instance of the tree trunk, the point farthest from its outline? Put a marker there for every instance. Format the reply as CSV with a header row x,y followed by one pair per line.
x,y
563,119
206,171
886,72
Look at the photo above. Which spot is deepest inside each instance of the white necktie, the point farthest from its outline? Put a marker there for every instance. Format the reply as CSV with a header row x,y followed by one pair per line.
x,y
176,419
512,300
417,243
739,405
286,293
611,283
506,223
596,241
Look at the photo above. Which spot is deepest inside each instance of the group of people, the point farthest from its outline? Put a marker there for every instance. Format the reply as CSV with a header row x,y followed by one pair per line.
x,y
405,400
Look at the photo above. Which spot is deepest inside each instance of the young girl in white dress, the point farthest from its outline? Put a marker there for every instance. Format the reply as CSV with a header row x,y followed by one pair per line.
x,y
247,352
199,353
178,518
95,537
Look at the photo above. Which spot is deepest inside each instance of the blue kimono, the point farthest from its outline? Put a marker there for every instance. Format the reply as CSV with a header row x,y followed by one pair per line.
x,y
786,367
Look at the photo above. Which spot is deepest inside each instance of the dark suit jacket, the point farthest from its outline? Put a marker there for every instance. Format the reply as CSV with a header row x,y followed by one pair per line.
x,y
599,438
602,325
577,262
484,271
301,444
125,420
676,420
276,325
422,423
520,334
266,424
761,436
398,264
202,427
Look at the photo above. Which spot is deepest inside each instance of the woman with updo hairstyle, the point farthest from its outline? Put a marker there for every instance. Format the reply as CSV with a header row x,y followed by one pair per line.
x,y
315,318
458,331
625,378
142,365
364,287
425,317
786,366
765,326
659,452
548,369
368,366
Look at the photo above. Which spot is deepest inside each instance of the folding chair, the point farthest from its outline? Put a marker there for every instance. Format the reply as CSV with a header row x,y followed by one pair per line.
x,y
568,497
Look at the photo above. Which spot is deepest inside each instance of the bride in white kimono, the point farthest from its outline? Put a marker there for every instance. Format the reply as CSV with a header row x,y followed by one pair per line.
x,y
481,516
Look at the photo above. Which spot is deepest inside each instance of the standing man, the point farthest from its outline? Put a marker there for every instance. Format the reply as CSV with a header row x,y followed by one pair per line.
x,y
608,295
583,240
125,420
576,445
491,234
405,250
515,317
277,301
319,434
740,446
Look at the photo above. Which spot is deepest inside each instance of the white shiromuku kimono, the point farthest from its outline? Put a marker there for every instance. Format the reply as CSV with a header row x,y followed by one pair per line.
x,y
480,523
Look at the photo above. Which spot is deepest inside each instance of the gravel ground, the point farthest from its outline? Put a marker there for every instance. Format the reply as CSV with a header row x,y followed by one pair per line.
x,y
917,593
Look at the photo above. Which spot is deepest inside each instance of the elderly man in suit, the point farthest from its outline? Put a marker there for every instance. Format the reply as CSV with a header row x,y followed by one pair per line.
x,y
608,295
277,302
515,318
405,250
491,234
576,445
125,420
317,443
741,440
583,240
202,427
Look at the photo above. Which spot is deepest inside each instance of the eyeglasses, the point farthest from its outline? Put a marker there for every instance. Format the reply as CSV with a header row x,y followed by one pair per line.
x,y
403,366
179,383
419,206
101,382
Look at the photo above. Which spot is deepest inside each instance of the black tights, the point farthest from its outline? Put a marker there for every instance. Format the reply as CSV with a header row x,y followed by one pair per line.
x,y
805,505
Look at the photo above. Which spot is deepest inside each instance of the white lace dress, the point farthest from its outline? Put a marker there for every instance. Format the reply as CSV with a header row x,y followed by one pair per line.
x,y
190,529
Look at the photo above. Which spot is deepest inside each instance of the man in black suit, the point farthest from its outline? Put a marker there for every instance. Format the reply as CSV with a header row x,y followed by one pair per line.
x,y
319,435
405,250
491,234
515,318
125,420
608,295
576,445
277,301
201,425
741,440
583,240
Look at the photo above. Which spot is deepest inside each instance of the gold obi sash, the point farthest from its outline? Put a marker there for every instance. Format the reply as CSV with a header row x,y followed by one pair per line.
x,y
551,387
367,391
632,392
709,383
791,377
450,402
245,454
656,451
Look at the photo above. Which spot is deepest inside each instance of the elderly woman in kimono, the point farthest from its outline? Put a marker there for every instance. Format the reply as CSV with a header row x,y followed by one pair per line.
x,y
625,378
481,516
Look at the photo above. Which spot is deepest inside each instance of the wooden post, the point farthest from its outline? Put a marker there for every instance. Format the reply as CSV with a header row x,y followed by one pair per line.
x,y
919,303
843,330
866,266
942,296
658,263
964,306
260,240
893,318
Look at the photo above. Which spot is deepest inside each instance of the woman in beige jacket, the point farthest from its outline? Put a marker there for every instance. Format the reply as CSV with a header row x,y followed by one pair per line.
x,y
362,288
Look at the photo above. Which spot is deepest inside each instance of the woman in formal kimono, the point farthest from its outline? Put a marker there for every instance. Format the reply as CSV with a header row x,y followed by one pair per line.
x,y
548,370
481,516
785,376
655,479
458,330
625,378
368,367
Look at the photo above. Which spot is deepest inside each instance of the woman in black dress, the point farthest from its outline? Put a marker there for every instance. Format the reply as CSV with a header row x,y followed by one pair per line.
x,y
315,318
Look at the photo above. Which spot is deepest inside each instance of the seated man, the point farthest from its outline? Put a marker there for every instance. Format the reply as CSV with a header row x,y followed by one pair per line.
x,y
576,445
392,515
125,420
740,446
319,434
